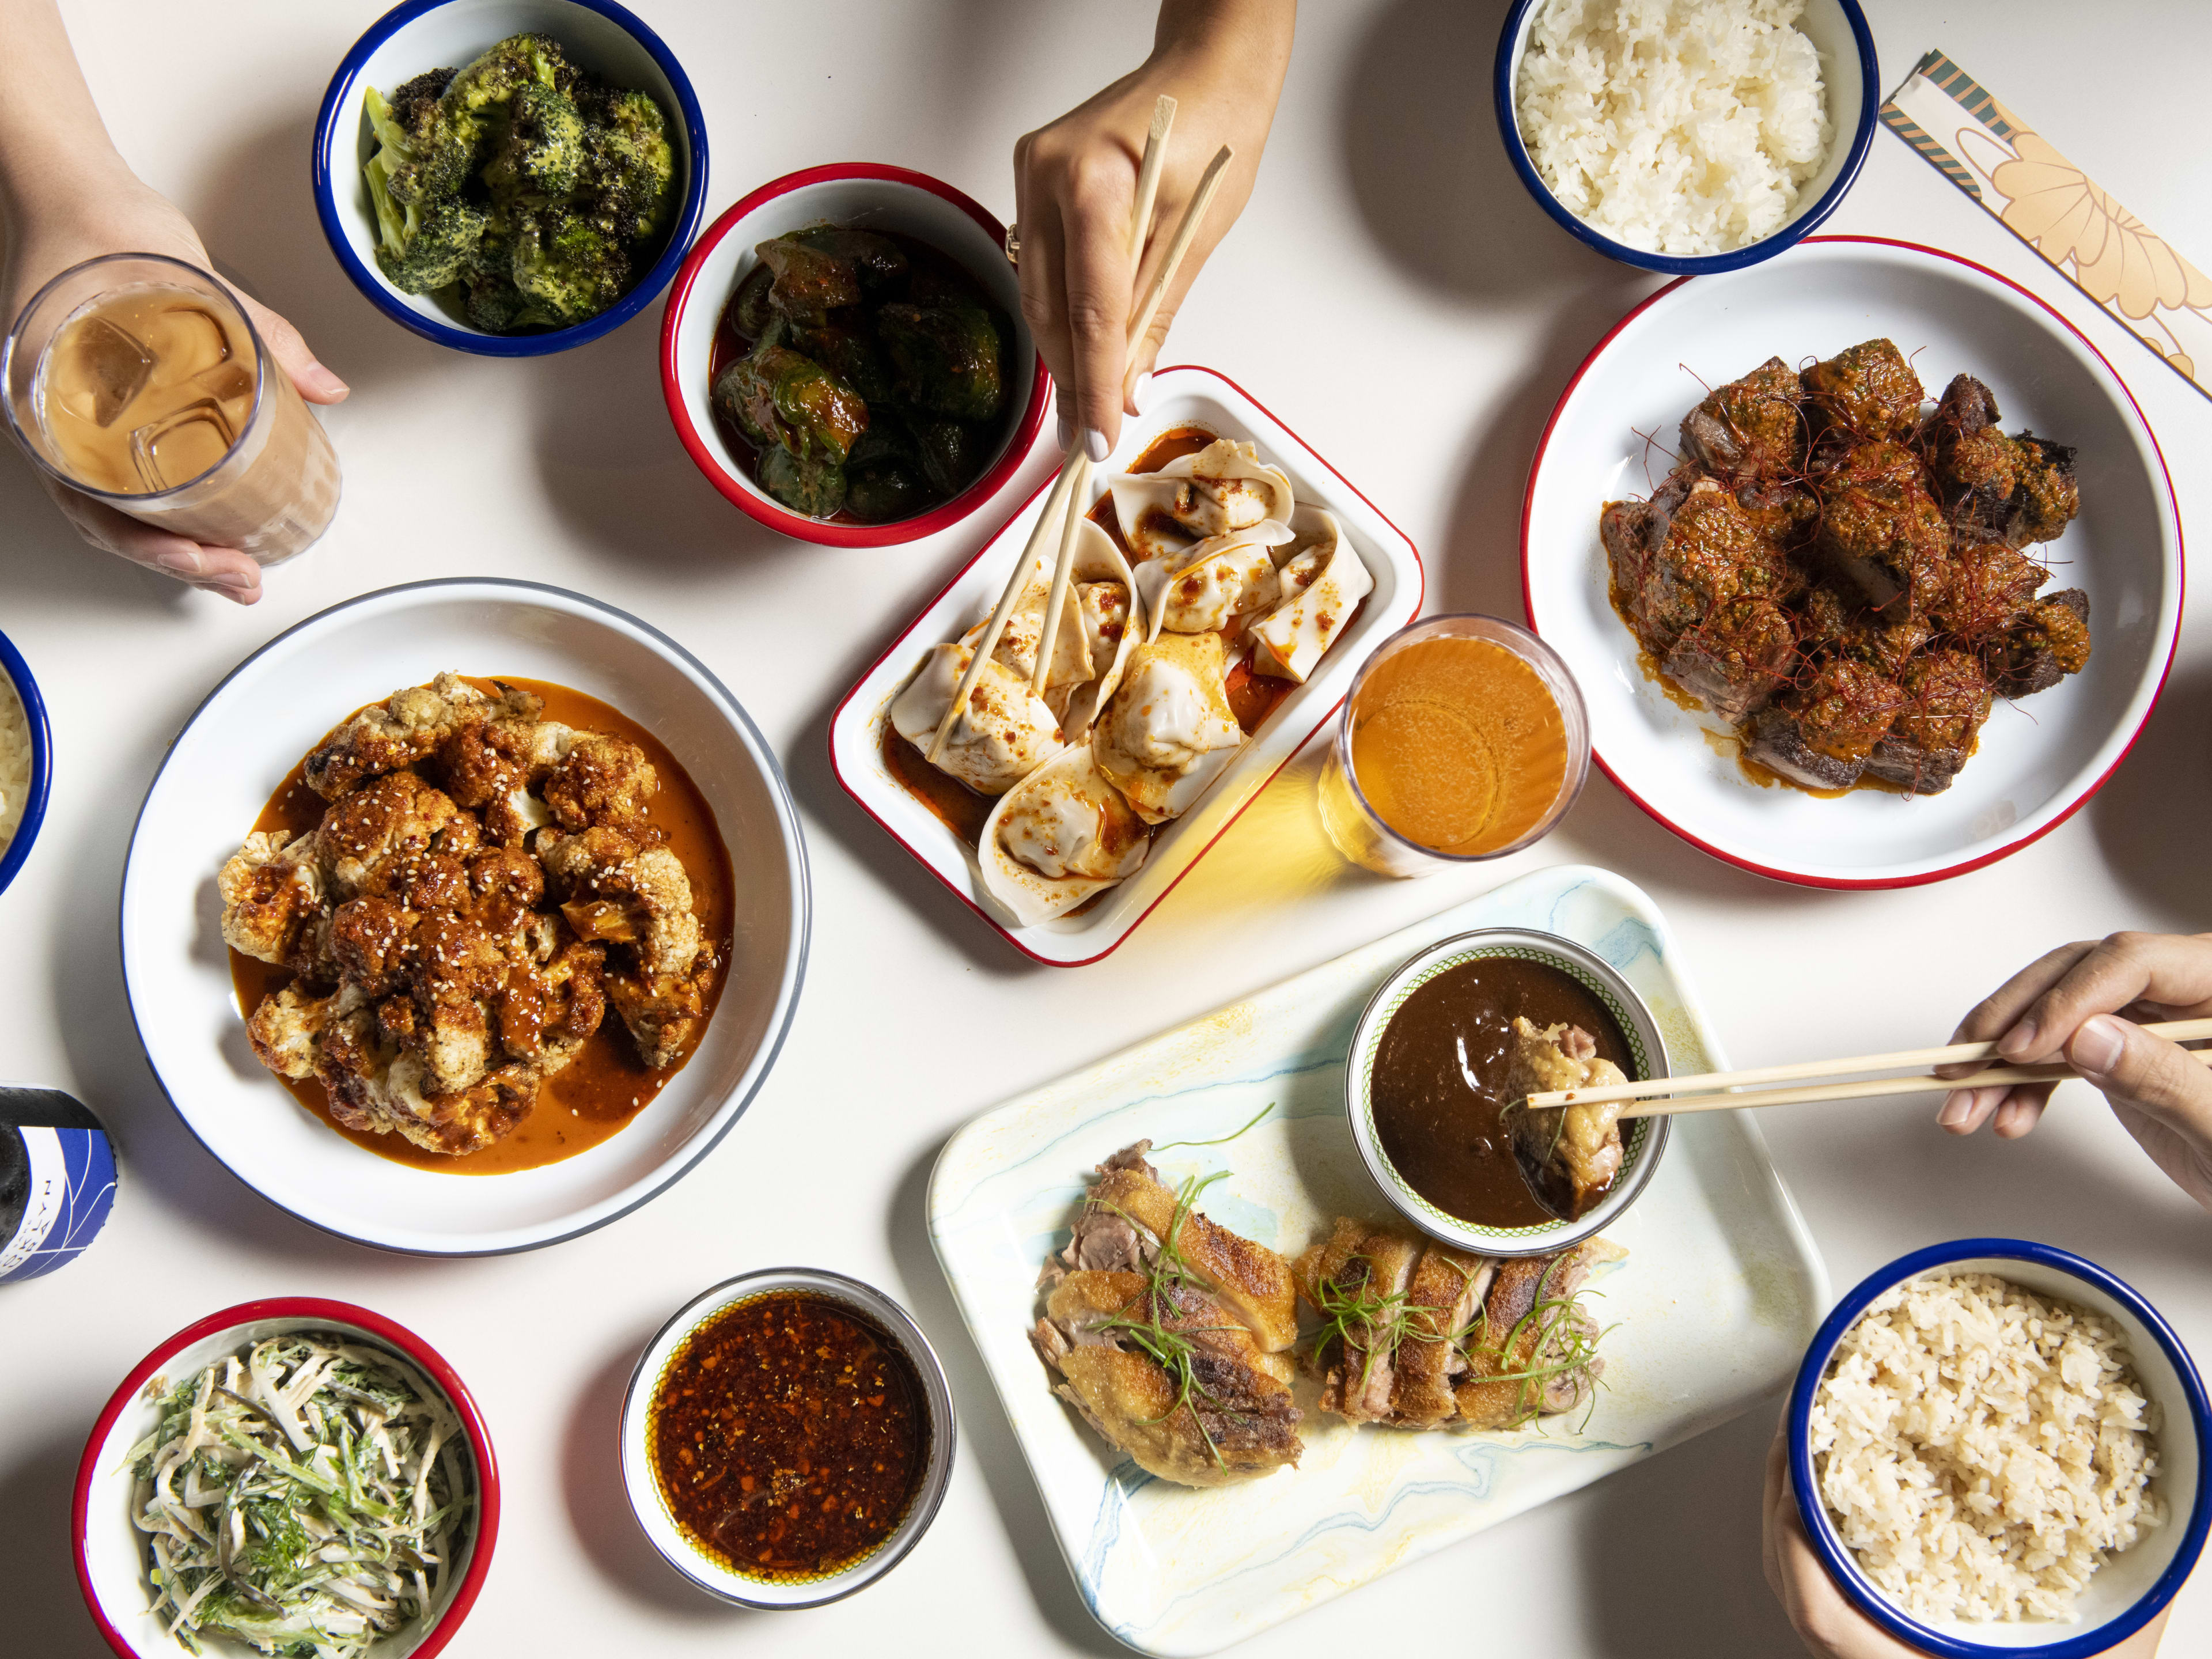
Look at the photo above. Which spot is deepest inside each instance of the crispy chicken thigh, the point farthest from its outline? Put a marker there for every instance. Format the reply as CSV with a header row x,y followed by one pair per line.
x,y
1571,1153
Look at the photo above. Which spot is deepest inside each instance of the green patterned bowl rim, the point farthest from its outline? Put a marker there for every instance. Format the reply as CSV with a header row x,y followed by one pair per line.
x,y
1646,1139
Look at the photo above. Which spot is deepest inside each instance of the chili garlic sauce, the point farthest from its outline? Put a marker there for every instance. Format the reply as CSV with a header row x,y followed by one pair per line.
x,y
1440,1080
788,1436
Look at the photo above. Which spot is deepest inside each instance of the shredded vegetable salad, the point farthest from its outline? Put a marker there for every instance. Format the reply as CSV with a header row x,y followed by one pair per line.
x,y
305,1497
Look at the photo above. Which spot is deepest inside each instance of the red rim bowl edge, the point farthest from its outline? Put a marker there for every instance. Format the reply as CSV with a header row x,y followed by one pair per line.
x,y
1000,929
1844,884
1019,443
394,1336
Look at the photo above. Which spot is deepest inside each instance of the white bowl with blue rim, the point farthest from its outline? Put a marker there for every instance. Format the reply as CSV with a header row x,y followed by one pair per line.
x,y
1837,28
1643,1139
32,812
601,36
2130,1589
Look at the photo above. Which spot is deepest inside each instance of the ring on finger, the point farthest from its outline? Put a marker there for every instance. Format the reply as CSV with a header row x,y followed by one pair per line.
x,y
1013,245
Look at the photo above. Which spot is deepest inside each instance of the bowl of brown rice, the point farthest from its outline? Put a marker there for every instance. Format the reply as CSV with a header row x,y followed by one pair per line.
x,y
26,760
1687,136
1996,1448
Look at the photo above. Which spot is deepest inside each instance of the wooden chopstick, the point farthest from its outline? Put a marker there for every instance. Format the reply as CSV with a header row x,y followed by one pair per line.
x,y
1860,1088
2175,1030
1148,176
1186,229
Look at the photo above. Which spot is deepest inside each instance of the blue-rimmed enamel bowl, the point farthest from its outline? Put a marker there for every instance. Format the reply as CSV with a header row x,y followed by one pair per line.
x,y
1643,1139
17,673
2129,1590
1848,69
427,34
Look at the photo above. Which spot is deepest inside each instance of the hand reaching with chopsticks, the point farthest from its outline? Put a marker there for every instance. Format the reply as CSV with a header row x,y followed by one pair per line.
x,y
1825,1621
1076,181
2083,1004
66,196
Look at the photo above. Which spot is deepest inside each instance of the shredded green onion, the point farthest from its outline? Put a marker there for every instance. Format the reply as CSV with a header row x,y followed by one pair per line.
x,y
304,1496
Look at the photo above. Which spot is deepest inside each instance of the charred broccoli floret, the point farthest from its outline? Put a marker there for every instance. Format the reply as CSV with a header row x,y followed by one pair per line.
x,y
523,189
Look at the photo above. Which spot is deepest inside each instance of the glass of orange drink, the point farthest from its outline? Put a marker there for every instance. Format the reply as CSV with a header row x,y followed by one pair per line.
x,y
1464,738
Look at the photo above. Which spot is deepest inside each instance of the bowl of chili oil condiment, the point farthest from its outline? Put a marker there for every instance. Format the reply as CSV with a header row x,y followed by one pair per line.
x,y
787,1437
1424,1084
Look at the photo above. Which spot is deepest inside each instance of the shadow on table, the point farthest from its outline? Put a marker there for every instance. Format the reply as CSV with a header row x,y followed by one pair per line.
x,y
1658,1589
985,1436
2150,819
1428,170
46,1614
592,1483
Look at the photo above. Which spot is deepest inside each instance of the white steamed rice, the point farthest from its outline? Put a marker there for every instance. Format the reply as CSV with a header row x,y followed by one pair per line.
x,y
1677,126
1980,1449
15,761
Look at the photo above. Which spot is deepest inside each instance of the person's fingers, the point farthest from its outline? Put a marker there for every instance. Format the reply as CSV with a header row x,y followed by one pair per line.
x,y
1995,1013
1095,216
223,570
2021,1110
2172,971
2164,1081
316,384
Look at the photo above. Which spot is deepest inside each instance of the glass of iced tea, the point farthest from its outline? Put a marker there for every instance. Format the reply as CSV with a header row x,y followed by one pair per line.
x,y
138,379
1464,738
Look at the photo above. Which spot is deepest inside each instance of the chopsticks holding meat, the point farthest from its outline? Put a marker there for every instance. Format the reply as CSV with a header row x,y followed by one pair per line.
x,y
1712,1092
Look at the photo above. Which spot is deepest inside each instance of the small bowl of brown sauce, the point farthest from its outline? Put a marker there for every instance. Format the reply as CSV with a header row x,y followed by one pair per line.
x,y
787,1438
1442,1060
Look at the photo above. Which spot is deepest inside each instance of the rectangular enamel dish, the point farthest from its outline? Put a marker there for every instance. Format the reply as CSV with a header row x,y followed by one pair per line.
x,y
1720,1292
1180,397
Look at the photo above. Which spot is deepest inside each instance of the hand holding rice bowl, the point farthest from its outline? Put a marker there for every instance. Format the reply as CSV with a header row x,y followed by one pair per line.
x,y
1686,135
1979,1397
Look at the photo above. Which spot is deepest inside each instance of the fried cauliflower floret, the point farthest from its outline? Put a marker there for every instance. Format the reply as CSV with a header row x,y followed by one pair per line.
x,y
286,1032
272,891
492,765
397,816
603,782
661,1011
616,891
546,1014
405,727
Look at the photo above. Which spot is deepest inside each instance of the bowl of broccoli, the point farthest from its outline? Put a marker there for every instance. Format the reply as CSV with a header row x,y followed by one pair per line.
x,y
510,177
843,356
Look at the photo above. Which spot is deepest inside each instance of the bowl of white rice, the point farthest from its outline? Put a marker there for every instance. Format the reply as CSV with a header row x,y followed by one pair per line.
x,y
1688,136
1996,1448
26,746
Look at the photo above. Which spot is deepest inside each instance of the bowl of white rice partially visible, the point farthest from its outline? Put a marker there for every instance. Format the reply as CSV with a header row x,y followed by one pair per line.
x,y
1688,136
1997,1448
26,746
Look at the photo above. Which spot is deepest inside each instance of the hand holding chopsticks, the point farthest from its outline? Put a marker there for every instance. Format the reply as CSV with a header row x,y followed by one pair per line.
x,y
1063,508
1808,1082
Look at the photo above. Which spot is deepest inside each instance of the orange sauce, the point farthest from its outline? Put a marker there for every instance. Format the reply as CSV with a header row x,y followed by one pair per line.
x,y
598,1093
1458,746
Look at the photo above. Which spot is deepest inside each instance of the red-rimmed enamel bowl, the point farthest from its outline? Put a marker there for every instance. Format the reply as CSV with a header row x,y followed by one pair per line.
x,y
2039,759
1180,396
110,1552
851,193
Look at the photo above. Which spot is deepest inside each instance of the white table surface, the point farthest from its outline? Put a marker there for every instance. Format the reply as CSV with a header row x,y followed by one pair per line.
x,y
1397,298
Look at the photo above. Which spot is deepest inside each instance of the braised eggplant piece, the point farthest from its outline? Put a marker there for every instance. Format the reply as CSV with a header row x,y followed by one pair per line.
x,y
946,357
775,395
813,484
809,284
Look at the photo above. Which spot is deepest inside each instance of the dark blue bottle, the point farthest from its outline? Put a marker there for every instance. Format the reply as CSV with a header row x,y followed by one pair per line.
x,y
57,1180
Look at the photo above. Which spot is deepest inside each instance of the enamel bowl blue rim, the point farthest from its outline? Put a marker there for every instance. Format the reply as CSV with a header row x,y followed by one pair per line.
x,y
1695,264
42,761
1837,1558
339,104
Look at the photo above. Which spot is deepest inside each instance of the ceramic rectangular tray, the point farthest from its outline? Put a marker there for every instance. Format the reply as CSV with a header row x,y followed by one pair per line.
x,y
1178,397
1721,1289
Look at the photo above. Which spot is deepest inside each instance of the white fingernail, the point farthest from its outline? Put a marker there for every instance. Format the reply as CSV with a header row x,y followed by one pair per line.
x,y
1066,433
1094,440
1139,391
178,564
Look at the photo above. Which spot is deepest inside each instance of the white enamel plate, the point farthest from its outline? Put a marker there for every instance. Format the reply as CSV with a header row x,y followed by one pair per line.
x,y
2040,758
1180,397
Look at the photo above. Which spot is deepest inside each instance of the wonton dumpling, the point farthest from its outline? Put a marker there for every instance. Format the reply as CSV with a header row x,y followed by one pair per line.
x,y
1019,640
1004,733
1058,836
1104,593
1199,589
1168,730
1223,487
1322,583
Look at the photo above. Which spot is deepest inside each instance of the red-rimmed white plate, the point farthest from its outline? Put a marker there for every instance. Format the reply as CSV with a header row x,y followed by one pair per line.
x,y
1178,397
2040,758
111,1551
